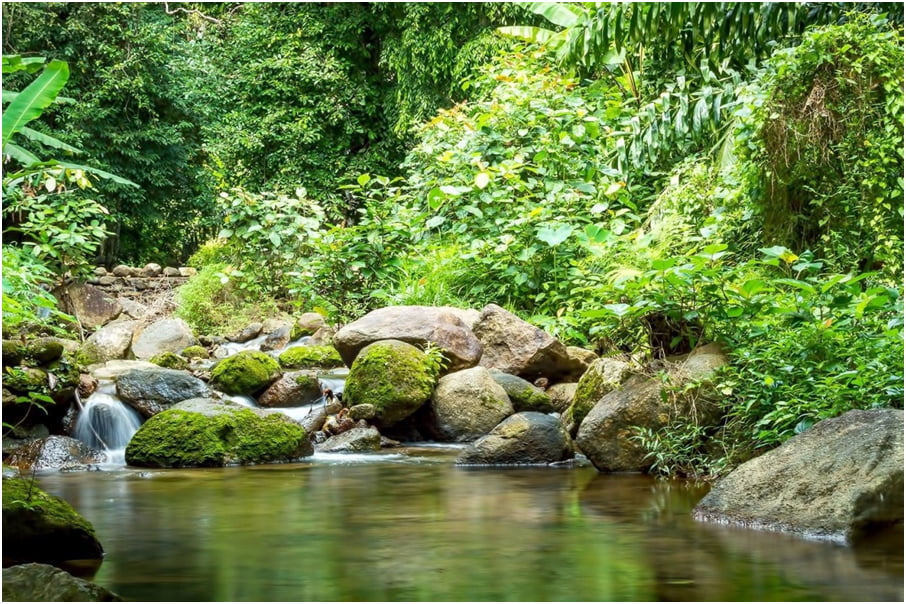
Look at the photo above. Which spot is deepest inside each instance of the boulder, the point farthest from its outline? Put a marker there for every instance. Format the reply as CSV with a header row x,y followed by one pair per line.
x,y
356,439
840,480
513,346
582,359
249,333
44,350
13,353
150,391
111,370
523,395
607,434
187,271
307,325
603,376
292,390
417,325
44,583
165,335
121,270
277,339
170,360
171,271
206,432
247,373
151,270
523,438
90,305
393,376
562,395
133,309
364,411
110,342
467,405
308,357
55,453
38,527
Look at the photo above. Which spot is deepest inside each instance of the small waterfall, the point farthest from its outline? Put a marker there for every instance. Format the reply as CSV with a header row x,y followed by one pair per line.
x,y
107,423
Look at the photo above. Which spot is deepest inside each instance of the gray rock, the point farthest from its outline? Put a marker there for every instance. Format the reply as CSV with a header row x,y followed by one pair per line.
x,y
249,333
171,271
514,346
838,481
294,389
44,583
165,335
151,269
524,438
276,339
467,405
308,325
523,395
603,376
55,453
133,309
110,342
562,395
117,367
150,391
91,306
362,411
353,440
416,325
122,270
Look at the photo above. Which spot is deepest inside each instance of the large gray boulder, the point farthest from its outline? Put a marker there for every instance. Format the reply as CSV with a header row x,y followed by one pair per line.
x,y
90,305
467,405
294,389
416,325
607,434
165,335
150,391
110,342
838,481
524,438
44,583
55,453
514,346
603,376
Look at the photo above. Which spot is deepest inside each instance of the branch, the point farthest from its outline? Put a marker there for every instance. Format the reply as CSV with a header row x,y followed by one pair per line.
x,y
190,12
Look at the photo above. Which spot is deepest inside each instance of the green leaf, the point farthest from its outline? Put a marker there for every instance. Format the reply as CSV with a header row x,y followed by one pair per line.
x,y
26,158
558,13
275,238
36,97
435,198
363,179
556,235
482,179
435,221
48,141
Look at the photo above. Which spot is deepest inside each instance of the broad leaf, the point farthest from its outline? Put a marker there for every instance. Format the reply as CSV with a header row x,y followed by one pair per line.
x,y
555,236
558,13
36,97
48,141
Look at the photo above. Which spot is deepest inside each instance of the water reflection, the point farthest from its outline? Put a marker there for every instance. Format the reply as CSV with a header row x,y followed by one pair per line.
x,y
396,530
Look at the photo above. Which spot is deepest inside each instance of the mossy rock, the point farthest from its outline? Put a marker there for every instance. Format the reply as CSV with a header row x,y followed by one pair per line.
x,y
209,433
38,527
305,357
602,377
394,376
25,379
524,395
195,352
13,353
170,360
43,350
247,373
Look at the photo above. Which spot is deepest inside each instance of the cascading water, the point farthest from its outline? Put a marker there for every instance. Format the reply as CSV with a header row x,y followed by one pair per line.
x,y
107,423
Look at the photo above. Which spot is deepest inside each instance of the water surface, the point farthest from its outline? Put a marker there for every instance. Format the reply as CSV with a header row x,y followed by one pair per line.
x,y
411,526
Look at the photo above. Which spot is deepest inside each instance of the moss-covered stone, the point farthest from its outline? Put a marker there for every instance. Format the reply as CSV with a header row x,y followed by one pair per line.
x,y
196,352
246,373
395,377
38,527
25,379
524,395
603,376
43,350
170,360
305,357
215,434
13,353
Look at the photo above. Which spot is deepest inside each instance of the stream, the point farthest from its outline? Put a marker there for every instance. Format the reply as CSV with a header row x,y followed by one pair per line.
x,y
407,524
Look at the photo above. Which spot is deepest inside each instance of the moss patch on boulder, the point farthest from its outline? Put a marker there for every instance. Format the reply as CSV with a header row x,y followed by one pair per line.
x,y
195,352
38,527
397,378
602,377
305,357
207,433
170,360
524,395
246,373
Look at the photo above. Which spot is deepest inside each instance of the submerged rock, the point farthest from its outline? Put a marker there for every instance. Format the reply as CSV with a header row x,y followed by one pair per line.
x,y
393,376
246,373
417,325
150,391
524,438
38,527
467,405
206,432
55,453
44,583
840,480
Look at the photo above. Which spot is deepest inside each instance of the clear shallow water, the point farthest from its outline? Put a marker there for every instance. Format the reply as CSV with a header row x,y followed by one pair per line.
x,y
408,525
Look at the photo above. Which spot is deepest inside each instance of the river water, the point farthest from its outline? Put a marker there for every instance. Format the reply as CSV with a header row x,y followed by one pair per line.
x,y
409,525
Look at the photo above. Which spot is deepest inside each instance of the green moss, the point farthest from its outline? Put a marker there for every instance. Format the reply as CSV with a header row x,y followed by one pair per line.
x,y
43,350
195,352
13,353
393,376
246,373
175,438
170,360
304,357
25,379
524,395
308,382
23,493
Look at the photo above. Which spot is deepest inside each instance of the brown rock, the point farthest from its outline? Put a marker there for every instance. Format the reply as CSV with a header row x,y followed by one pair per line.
x,y
91,306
